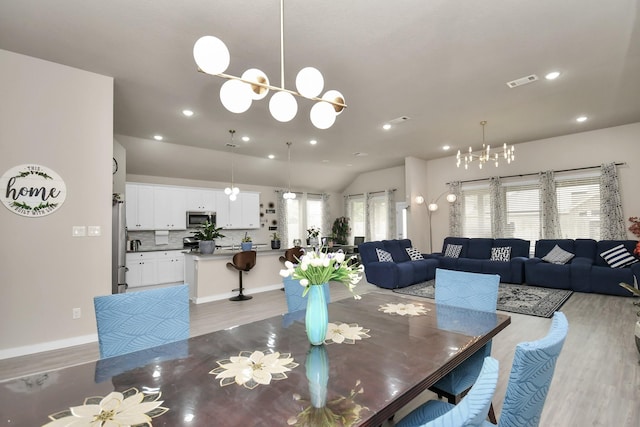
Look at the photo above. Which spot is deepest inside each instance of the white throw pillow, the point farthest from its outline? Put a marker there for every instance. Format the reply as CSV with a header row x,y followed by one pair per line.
x,y
618,257
414,253
452,251
501,253
557,255
383,256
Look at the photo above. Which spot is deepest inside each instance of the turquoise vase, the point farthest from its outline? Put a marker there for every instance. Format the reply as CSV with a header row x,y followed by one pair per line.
x,y
317,316
317,365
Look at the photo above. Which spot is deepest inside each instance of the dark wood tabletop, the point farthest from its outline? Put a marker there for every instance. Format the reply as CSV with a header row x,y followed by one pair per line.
x,y
380,357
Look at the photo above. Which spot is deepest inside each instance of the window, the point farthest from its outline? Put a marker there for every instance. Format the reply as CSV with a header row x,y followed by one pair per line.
x,y
578,199
355,212
378,217
303,212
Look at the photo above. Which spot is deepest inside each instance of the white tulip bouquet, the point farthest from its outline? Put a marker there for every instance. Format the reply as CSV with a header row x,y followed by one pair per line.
x,y
317,267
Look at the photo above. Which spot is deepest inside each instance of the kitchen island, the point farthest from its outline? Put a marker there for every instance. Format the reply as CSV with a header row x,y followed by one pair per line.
x,y
209,278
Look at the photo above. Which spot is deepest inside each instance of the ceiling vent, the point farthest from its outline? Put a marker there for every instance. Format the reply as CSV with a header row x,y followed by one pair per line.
x,y
522,81
228,144
399,120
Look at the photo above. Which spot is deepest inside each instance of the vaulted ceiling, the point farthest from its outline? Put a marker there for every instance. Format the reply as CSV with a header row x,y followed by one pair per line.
x,y
444,64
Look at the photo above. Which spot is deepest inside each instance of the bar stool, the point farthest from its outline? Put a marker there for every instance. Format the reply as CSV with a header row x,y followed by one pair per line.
x,y
292,255
242,262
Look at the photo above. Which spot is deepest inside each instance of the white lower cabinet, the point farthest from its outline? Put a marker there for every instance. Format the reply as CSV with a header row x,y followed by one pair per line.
x,y
154,268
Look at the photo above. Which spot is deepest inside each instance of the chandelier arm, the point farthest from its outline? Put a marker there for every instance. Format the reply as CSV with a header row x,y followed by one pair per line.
x,y
271,87
282,43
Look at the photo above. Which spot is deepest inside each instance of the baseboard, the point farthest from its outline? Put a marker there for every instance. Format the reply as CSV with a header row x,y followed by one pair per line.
x,y
47,346
228,295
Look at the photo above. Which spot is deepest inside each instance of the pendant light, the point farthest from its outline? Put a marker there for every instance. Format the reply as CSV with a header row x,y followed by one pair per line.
x,y
232,191
289,195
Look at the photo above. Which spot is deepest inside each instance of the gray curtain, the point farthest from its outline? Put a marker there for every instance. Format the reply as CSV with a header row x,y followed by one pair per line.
x,y
391,213
455,210
368,198
549,217
612,225
281,212
498,208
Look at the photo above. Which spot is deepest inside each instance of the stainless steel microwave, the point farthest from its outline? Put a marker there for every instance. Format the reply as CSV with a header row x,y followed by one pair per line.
x,y
197,219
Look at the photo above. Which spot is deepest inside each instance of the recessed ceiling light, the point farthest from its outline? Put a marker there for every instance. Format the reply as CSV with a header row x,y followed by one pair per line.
x,y
271,156
552,75
349,165
386,126
187,113
246,138
581,119
158,137
325,161
313,142
446,147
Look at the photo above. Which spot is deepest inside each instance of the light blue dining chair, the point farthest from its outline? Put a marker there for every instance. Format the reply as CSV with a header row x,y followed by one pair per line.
x,y
142,319
473,291
531,374
471,411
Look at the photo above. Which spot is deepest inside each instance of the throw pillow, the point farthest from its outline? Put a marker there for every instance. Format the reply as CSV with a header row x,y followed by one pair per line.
x,y
501,253
414,254
453,251
383,256
618,257
557,255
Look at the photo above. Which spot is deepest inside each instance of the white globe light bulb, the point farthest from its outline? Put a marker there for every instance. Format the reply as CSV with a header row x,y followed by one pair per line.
x,y
335,96
211,55
255,75
433,207
236,96
322,115
233,197
283,106
309,82
235,190
227,191
451,198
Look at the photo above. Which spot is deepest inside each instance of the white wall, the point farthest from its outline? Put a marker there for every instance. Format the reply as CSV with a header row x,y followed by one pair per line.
x,y
61,118
616,144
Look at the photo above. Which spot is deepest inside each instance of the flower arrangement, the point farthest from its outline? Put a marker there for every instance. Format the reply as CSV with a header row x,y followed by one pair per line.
x,y
317,267
635,229
313,232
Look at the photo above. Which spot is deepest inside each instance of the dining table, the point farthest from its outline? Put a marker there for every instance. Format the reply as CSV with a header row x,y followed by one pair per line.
x,y
380,352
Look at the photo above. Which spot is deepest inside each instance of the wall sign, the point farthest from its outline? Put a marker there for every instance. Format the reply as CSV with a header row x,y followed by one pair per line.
x,y
32,190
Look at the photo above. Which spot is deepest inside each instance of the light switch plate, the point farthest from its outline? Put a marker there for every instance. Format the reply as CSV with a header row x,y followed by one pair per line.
x,y
94,230
79,231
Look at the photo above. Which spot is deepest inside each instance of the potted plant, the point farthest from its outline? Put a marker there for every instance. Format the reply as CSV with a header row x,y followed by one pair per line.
x,y
246,243
275,241
340,230
207,234
312,236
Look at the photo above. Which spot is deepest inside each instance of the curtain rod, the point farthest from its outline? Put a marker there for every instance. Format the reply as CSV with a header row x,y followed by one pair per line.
x,y
371,192
536,173
301,192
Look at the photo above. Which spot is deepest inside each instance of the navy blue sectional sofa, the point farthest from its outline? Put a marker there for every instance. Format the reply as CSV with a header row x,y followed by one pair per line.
x,y
475,257
587,271
400,272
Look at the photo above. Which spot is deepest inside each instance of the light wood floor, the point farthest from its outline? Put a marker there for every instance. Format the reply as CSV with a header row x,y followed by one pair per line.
x,y
597,378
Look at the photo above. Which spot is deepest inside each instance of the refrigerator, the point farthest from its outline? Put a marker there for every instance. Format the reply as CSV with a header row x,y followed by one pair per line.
x,y
118,247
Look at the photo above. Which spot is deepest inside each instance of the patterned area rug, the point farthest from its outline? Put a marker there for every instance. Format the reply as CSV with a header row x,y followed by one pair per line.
x,y
531,300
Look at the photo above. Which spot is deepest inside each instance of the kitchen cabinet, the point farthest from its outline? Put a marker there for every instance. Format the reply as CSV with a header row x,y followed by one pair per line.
x,y
141,269
201,199
242,213
170,267
154,268
169,208
139,202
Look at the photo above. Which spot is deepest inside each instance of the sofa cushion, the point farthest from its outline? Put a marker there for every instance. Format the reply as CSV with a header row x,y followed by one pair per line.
x,y
480,248
414,254
462,241
618,257
452,251
501,254
557,255
383,256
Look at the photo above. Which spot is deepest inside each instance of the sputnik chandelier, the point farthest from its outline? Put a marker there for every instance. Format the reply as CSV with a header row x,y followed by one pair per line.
x,y
237,94
486,154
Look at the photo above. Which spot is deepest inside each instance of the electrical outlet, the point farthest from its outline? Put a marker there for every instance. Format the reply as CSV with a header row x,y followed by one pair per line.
x,y
94,231
79,231
76,313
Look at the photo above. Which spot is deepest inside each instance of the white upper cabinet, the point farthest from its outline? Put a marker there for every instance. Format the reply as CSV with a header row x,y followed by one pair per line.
x,y
250,210
170,208
139,207
200,199
242,213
